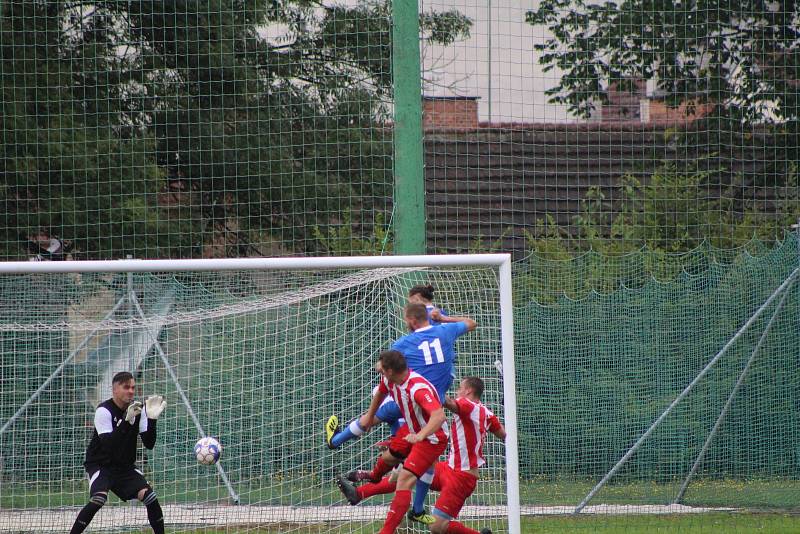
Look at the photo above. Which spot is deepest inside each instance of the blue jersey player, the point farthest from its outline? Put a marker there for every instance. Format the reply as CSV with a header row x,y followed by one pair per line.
x,y
430,351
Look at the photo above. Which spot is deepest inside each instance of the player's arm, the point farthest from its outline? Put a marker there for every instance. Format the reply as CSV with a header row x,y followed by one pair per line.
x,y
368,418
436,418
451,404
153,406
437,315
496,427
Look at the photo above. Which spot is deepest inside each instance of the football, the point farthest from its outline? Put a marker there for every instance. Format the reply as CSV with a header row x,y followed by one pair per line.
x,y
207,451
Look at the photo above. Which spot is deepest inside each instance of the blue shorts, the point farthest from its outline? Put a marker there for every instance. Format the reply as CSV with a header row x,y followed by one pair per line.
x,y
389,413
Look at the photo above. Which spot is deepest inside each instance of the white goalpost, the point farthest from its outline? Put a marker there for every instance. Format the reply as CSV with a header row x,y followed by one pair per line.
x,y
256,352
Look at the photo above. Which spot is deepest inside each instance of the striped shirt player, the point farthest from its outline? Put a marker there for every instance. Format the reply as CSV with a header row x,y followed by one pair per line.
x,y
469,428
456,478
419,443
111,454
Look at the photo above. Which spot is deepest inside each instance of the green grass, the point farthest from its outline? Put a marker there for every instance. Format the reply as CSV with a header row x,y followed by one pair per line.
x,y
631,524
783,494
777,495
689,523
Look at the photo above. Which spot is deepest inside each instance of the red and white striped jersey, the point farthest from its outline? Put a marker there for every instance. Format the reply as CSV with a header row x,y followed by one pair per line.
x,y
470,424
417,399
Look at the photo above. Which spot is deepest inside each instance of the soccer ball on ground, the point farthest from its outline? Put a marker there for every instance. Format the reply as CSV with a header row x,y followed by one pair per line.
x,y
208,451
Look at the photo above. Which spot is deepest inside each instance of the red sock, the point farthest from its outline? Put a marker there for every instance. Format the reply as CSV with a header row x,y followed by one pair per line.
x,y
397,510
376,488
380,469
457,528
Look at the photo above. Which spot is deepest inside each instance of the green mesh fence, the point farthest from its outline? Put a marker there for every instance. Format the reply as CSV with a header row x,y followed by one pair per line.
x,y
213,128
642,195
569,125
188,129
599,365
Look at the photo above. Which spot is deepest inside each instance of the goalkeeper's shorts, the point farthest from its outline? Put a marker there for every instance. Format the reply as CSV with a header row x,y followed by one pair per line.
x,y
125,482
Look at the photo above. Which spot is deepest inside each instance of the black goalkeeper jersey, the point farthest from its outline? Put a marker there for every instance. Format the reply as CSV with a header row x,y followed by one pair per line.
x,y
114,442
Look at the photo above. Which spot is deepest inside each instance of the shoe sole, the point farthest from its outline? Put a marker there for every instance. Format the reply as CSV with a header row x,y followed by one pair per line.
x,y
345,488
330,430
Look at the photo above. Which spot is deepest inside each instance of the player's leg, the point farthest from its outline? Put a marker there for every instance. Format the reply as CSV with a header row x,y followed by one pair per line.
x,y
417,512
99,483
421,457
398,450
457,486
154,513
401,501
335,437
355,495
133,485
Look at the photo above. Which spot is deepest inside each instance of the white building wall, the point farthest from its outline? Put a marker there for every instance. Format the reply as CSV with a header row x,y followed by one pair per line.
x,y
497,63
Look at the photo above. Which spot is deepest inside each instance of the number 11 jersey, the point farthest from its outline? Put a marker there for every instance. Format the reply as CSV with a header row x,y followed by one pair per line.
x,y
430,351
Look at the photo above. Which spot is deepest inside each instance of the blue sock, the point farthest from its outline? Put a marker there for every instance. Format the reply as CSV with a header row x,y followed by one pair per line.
x,y
421,491
351,431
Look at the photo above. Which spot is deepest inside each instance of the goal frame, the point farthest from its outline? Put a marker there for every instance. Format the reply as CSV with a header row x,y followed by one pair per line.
x,y
501,261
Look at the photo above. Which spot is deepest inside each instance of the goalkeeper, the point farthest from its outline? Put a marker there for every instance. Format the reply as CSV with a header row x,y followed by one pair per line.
x,y
111,454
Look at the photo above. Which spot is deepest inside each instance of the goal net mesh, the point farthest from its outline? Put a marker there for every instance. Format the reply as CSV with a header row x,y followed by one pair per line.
x,y
257,359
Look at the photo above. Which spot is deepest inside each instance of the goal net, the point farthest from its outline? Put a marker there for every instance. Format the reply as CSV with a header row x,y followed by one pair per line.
x,y
257,356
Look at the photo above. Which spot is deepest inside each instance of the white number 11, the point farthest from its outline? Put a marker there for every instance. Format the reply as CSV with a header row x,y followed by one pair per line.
x,y
425,347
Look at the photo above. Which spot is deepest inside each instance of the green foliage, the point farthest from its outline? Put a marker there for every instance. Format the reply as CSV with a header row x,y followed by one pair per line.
x,y
341,239
694,57
163,129
674,210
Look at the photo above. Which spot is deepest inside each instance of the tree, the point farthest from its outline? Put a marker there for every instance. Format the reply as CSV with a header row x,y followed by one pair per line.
x,y
159,128
741,57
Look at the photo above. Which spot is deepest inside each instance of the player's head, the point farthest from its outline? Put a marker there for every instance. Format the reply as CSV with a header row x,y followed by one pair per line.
x,y
421,294
471,387
415,316
392,364
123,387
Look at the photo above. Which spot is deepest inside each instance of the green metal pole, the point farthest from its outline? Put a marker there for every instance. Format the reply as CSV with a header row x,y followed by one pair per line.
x,y
409,189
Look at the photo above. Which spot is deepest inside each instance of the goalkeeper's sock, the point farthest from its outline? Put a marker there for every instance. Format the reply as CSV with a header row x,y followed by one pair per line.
x,y
397,510
85,517
421,491
454,527
380,469
154,513
352,431
376,488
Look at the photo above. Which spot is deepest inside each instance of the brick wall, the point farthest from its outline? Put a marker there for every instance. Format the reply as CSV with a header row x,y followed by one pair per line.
x,y
659,113
448,112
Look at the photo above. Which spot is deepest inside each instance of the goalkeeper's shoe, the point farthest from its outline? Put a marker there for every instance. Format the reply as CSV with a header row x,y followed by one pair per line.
x,y
359,476
331,429
486,531
424,517
348,490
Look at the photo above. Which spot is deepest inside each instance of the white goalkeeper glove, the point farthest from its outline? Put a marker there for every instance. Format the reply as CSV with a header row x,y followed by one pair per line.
x,y
154,405
134,409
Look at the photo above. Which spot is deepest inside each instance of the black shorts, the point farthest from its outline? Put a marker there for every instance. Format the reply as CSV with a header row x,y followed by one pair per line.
x,y
125,482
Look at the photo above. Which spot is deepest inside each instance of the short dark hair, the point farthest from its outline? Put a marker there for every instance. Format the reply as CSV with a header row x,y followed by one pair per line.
x,y
425,292
393,360
417,311
475,384
122,377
